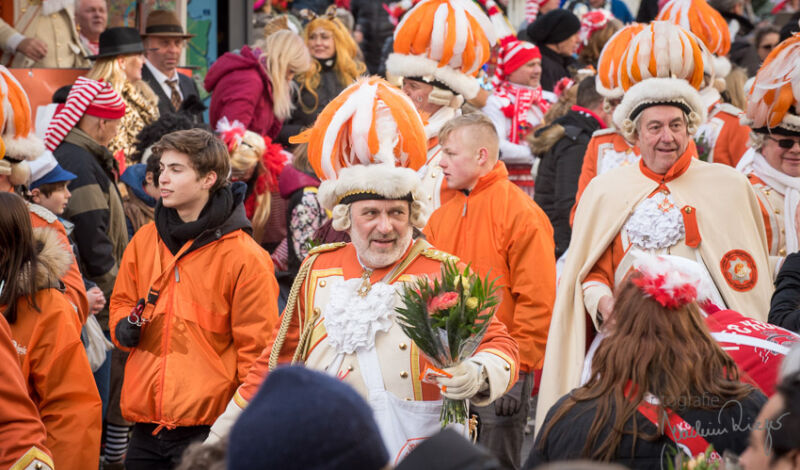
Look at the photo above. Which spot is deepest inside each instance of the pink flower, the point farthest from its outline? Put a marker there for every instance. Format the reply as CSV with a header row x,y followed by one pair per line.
x,y
442,301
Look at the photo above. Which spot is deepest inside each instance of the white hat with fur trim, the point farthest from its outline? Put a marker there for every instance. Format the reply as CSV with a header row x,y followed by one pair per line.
x,y
663,65
367,143
444,43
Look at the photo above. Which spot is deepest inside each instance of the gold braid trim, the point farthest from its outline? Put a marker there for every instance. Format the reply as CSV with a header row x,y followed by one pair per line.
x,y
288,313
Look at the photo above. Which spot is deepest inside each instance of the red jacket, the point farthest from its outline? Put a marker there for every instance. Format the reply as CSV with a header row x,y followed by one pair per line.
x,y
241,90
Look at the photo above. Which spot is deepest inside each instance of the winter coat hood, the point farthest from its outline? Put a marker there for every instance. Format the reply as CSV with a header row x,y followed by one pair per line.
x,y
134,178
231,62
54,260
292,179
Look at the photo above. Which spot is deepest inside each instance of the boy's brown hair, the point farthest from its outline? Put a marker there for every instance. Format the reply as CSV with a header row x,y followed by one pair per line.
x,y
49,188
205,151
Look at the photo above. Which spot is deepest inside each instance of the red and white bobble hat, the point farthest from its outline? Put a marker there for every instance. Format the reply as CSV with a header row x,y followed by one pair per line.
x,y
87,97
512,55
591,22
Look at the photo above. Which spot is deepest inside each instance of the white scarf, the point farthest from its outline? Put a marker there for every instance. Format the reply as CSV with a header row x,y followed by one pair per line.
x,y
790,188
438,119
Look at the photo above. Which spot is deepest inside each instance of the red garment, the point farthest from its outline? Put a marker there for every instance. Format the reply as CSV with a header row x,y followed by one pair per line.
x,y
241,90
740,336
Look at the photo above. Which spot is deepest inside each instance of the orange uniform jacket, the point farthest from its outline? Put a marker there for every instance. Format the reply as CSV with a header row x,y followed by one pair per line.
x,y
60,380
215,312
498,230
731,142
73,281
21,431
343,262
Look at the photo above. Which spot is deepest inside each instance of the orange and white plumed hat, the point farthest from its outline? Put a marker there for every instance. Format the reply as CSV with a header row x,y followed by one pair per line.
x,y
444,43
18,128
610,57
663,64
367,143
702,20
773,103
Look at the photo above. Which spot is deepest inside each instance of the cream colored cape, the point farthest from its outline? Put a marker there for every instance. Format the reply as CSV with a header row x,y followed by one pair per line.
x,y
728,218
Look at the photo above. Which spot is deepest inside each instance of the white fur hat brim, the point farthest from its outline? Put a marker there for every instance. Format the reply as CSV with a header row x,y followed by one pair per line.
x,y
659,91
420,66
24,148
384,181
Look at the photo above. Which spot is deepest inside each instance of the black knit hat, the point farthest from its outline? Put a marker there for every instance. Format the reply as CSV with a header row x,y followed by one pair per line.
x,y
553,27
119,41
302,419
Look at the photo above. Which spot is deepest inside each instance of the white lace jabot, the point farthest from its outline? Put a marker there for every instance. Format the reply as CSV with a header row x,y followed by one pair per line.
x,y
353,321
656,223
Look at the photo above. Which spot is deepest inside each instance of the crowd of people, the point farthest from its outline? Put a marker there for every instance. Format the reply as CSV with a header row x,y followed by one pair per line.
x,y
204,287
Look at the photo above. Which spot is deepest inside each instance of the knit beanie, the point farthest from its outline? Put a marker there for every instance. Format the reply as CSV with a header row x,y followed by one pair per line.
x,y
553,27
305,420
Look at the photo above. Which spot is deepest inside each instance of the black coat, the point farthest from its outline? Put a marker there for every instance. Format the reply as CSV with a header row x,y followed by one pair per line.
x,y
372,20
784,309
555,67
187,86
559,171
328,89
569,434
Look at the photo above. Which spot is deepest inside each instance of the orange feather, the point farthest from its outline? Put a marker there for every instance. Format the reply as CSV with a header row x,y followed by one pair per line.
x,y
450,37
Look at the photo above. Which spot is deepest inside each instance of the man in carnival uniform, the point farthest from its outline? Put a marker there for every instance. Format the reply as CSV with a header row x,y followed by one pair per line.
x,y
721,138
517,106
343,321
773,163
669,203
437,85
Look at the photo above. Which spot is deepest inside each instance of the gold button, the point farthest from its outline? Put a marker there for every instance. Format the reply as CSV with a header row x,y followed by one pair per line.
x,y
783,232
688,210
430,198
507,367
317,310
38,466
350,368
407,399
777,211
782,252
403,346
403,375
322,283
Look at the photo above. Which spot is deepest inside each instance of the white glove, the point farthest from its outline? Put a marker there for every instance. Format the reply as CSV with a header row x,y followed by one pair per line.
x,y
466,379
222,426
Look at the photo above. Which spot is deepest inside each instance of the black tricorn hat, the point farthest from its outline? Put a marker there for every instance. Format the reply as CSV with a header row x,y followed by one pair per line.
x,y
119,41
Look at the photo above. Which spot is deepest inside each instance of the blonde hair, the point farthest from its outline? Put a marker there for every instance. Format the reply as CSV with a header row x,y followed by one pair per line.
x,y
284,51
110,69
248,154
485,134
348,66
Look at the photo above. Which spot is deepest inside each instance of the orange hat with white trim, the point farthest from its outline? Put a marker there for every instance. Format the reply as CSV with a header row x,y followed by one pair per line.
x,y
608,64
367,144
702,20
773,103
663,65
18,142
444,43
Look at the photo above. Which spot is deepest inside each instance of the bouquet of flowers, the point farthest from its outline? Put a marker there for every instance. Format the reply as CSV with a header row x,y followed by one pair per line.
x,y
447,318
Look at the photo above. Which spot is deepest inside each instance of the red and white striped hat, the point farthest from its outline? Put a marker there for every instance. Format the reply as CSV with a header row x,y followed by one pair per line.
x,y
512,55
87,96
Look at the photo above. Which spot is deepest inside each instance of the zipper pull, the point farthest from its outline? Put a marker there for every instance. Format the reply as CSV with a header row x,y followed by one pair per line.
x,y
177,276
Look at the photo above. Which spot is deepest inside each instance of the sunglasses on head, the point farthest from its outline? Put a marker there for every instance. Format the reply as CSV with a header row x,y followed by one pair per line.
x,y
785,143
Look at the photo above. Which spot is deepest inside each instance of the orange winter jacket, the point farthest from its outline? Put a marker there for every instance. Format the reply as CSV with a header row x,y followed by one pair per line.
x,y
21,431
73,281
216,308
500,231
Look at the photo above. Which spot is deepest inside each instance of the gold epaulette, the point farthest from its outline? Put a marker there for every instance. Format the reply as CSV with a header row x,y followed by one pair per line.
x,y
439,255
326,247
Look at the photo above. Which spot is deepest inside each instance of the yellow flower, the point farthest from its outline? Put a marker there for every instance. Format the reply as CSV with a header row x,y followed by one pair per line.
x,y
462,281
472,302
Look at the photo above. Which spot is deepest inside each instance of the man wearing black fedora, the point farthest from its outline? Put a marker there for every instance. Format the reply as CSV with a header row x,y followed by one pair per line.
x,y
164,41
